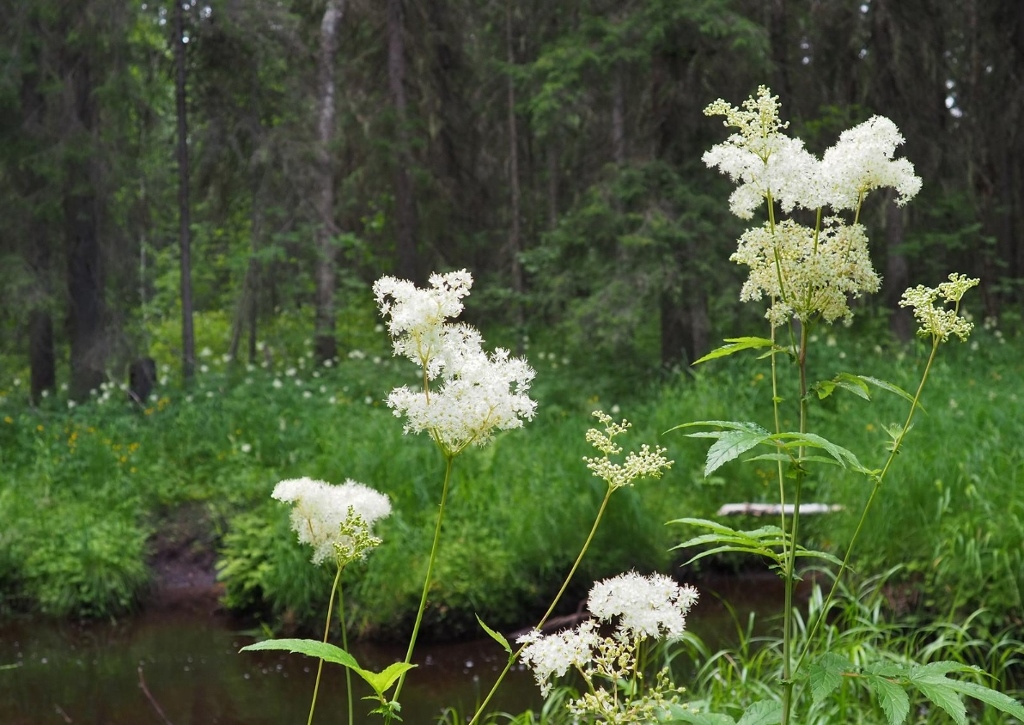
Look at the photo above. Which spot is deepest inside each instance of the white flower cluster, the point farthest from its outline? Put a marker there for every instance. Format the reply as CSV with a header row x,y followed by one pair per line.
x,y
652,607
940,322
806,272
478,392
803,271
770,166
336,520
646,606
646,462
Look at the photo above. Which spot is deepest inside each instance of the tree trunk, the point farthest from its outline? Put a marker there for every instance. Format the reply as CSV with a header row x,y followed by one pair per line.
x,y
41,355
618,117
325,342
897,273
188,340
407,259
515,240
85,282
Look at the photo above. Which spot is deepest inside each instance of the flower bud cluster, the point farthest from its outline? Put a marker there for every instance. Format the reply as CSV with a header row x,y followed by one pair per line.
x,y
940,322
642,464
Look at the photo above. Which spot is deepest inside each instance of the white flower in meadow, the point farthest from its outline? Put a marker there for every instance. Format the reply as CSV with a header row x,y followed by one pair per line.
x,y
765,162
554,654
205,352
416,316
652,606
277,383
479,394
204,369
806,273
246,448
320,510
862,160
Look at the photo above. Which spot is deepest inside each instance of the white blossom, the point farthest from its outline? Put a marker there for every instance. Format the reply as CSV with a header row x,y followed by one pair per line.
x,y
417,316
806,272
320,509
862,160
475,393
553,655
652,606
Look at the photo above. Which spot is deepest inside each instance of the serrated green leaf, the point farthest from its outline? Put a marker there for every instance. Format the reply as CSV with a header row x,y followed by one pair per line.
x,y
823,388
736,344
496,636
726,424
854,383
893,700
946,698
996,699
683,714
888,387
826,675
763,712
844,457
382,681
309,647
758,551
730,445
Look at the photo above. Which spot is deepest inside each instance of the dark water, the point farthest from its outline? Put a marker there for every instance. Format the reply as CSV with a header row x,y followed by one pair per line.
x,y
90,674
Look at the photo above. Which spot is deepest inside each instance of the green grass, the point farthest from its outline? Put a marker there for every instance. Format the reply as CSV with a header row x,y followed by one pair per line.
x,y
85,487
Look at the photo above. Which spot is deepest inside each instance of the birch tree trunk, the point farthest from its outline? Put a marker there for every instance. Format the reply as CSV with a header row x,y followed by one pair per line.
x,y
407,262
325,342
188,340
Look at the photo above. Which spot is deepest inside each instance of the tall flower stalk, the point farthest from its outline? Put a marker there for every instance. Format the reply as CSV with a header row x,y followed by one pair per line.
x,y
337,522
644,463
808,274
466,394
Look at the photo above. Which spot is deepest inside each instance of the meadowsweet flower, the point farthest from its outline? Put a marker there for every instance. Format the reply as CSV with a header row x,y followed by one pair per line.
x,y
862,160
642,464
476,393
416,316
806,272
652,606
479,394
552,655
336,520
940,322
766,163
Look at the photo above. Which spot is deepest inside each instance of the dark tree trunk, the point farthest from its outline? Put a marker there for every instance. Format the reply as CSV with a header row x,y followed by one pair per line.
x,y
897,273
85,281
515,240
188,341
618,116
325,341
407,257
41,355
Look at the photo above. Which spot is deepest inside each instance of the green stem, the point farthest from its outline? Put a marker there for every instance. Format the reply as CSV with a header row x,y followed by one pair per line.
x,y
565,585
788,671
897,443
327,631
344,646
449,459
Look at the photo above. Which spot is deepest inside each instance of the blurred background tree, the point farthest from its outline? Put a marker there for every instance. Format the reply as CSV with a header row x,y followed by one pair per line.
x,y
553,148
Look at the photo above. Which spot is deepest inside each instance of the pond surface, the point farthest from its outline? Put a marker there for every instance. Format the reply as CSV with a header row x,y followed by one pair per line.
x,y
189,663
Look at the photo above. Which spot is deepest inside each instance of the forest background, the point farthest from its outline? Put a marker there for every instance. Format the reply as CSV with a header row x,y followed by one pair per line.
x,y
232,176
